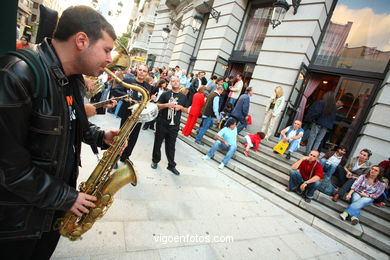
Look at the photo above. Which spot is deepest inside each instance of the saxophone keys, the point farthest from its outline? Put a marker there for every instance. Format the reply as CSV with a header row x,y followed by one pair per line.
x,y
87,226
106,199
94,214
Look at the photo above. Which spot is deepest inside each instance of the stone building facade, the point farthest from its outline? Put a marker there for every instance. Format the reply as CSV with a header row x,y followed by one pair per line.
x,y
236,36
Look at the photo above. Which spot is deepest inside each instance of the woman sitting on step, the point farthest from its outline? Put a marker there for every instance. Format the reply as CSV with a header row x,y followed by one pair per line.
x,y
363,192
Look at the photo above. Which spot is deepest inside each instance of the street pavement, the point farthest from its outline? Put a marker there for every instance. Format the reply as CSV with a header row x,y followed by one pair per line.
x,y
201,214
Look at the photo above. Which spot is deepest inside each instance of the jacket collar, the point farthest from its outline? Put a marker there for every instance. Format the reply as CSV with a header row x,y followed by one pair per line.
x,y
50,58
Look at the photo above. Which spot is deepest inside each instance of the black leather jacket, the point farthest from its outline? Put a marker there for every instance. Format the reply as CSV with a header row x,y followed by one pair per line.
x,y
34,146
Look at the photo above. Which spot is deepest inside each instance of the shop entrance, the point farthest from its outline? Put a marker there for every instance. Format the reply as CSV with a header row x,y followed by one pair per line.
x,y
242,68
353,98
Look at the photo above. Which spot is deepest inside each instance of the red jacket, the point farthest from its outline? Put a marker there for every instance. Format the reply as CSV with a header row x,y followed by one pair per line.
x,y
256,140
197,104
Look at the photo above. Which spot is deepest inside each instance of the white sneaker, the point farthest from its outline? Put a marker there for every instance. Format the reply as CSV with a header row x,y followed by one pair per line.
x,y
344,215
206,157
221,166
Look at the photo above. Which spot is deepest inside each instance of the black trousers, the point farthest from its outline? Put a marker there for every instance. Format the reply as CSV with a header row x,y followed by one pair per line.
x,y
31,249
131,141
169,133
342,181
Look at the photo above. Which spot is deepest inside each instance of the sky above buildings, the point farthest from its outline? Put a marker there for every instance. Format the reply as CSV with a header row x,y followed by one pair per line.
x,y
118,22
370,22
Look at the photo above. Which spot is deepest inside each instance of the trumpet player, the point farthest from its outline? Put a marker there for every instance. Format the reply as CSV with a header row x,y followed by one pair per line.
x,y
170,104
41,132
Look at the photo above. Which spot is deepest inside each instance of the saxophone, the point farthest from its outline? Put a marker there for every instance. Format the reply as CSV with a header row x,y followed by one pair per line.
x,y
101,183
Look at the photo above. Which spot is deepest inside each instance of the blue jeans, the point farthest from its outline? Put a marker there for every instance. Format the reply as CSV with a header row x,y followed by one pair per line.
x,y
296,180
317,133
293,144
358,202
219,145
232,100
206,124
329,169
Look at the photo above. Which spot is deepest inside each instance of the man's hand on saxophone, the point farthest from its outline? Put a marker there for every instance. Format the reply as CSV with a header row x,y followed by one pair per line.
x,y
109,136
81,204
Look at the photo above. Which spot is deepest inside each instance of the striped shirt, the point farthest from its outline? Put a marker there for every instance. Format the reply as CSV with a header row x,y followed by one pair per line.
x,y
361,185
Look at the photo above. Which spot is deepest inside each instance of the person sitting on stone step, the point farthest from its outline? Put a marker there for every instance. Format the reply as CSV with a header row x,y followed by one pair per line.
x,y
305,176
293,135
345,176
332,159
363,192
226,140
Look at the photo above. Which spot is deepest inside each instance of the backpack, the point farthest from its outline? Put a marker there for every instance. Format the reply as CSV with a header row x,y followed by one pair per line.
x,y
36,65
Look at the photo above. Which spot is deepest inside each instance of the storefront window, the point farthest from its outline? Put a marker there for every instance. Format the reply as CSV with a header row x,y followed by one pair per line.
x,y
357,37
220,68
254,30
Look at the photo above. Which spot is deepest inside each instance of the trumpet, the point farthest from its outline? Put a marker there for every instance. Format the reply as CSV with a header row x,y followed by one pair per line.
x,y
172,111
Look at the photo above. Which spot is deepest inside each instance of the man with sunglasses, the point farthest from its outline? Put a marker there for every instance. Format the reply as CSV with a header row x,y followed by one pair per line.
x,y
305,176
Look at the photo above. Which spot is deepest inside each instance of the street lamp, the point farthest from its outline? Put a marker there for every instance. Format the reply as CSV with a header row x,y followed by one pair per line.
x,y
165,33
280,9
197,22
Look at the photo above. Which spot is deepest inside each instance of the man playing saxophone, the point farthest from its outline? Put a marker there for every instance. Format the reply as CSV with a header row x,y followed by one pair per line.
x,y
41,129
170,104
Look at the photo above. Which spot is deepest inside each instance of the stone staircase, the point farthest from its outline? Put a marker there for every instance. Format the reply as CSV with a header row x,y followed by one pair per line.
x,y
269,174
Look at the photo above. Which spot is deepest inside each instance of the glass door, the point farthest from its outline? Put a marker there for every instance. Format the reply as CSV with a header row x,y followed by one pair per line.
x,y
353,99
293,102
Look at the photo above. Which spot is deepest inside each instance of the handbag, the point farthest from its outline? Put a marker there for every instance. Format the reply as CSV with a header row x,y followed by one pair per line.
x,y
249,120
281,147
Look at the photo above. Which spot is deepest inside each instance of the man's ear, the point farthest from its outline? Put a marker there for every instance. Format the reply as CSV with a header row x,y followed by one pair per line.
x,y
81,40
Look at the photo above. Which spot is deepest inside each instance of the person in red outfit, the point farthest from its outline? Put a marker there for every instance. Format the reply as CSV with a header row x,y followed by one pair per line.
x,y
23,44
253,140
195,110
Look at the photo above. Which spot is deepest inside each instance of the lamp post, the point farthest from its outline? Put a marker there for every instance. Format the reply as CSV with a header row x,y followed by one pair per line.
x,y
165,33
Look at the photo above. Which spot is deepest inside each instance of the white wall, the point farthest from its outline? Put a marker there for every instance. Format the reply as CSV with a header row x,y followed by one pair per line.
x,y
219,37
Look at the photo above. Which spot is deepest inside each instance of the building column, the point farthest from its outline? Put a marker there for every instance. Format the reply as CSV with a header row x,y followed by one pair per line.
x,y
185,42
160,47
219,37
285,48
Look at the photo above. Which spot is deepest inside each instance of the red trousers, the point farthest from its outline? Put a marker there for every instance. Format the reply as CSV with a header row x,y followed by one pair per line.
x,y
191,121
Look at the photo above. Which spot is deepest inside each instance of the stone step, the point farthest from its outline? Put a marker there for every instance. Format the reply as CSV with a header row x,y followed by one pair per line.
x,y
316,209
266,156
282,177
261,166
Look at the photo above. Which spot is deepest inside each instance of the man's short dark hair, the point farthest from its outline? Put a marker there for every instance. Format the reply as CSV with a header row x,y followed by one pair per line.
x,y
341,147
248,89
230,122
82,19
